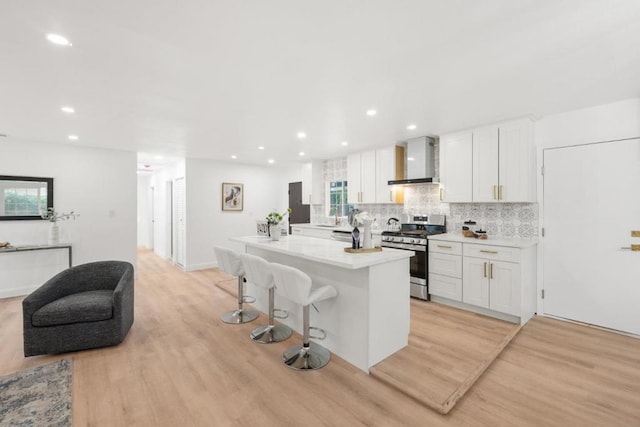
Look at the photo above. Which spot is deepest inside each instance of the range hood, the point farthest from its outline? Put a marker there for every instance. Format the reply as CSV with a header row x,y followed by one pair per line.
x,y
420,162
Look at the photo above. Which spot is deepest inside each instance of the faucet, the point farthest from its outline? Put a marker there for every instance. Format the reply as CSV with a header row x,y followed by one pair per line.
x,y
337,221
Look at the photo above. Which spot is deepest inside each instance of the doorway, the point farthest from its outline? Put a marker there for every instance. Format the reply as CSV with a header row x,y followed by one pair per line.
x,y
591,215
300,214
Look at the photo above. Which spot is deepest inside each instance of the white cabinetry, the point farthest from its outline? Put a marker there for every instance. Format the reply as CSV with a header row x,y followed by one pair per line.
x,y
495,280
322,232
361,177
389,166
456,167
489,164
445,270
312,183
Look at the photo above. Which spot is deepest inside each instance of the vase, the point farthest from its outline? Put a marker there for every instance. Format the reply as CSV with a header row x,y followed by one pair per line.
x,y
355,238
367,238
274,232
54,234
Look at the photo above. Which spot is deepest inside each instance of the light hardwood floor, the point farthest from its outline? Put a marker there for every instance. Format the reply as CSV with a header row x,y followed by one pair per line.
x,y
180,365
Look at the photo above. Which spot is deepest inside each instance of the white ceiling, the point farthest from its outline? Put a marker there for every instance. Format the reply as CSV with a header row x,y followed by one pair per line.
x,y
210,78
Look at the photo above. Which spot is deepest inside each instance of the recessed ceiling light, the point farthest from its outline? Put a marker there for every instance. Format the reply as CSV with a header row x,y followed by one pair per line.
x,y
411,127
261,148
301,135
371,113
58,39
345,143
233,156
69,110
301,153
73,137
270,161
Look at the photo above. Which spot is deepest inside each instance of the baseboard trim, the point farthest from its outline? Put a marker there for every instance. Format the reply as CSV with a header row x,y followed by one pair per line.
x,y
17,292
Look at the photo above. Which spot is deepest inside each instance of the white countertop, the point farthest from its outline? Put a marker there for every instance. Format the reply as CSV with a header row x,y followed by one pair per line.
x,y
324,251
344,228
511,243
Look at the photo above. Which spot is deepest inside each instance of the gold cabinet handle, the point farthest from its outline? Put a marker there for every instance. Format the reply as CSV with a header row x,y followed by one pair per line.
x,y
484,251
494,192
500,197
444,246
635,248
484,273
491,271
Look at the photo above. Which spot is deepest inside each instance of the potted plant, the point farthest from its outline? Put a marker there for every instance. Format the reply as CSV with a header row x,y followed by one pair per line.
x,y
273,220
52,216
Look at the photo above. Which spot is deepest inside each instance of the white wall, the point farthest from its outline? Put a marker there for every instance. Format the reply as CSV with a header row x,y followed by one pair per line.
x,y
265,189
98,184
144,210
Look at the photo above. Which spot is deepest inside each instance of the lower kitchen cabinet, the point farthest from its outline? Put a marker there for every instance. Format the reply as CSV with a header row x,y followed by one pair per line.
x,y
498,281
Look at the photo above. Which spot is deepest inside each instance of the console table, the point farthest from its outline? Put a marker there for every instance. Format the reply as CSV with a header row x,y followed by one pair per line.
x,y
24,248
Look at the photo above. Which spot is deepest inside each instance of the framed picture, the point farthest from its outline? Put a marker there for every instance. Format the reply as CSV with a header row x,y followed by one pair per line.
x,y
232,196
262,227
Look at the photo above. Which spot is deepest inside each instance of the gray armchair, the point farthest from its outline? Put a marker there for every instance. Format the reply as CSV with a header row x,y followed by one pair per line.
x,y
86,306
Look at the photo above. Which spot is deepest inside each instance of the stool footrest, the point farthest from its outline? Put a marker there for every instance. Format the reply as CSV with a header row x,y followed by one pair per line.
x,y
313,328
248,299
280,314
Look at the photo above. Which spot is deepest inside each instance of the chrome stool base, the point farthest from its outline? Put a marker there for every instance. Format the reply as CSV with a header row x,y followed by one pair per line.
x,y
269,334
306,358
240,316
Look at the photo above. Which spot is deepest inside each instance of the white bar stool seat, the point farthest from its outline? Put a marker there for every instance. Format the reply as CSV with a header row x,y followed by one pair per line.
x,y
297,286
258,272
229,262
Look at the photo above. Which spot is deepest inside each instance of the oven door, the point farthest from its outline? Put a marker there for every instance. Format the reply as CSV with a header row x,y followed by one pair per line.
x,y
417,268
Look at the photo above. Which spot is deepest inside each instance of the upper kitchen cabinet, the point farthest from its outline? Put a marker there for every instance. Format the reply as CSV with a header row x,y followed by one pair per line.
x,y
389,167
456,156
312,183
361,177
489,164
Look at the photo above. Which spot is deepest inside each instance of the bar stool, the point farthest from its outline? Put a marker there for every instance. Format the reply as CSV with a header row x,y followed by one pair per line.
x,y
297,286
258,272
230,263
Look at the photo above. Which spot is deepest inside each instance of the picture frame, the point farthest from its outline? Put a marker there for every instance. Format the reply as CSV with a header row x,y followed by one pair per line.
x,y
232,196
262,227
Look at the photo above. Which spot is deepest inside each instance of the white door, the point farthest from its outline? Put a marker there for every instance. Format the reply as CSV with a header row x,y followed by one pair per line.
x,y
368,177
456,156
353,178
591,206
475,281
504,287
516,158
179,218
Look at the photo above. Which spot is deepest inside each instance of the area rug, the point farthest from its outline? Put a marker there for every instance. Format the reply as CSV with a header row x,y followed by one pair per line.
x,y
39,396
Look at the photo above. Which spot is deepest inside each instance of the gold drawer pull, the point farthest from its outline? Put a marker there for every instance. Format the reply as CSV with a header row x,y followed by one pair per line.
x,y
491,271
484,251
444,246
494,192
485,270
635,248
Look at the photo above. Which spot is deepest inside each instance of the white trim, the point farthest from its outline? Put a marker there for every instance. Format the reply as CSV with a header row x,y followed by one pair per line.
x,y
17,292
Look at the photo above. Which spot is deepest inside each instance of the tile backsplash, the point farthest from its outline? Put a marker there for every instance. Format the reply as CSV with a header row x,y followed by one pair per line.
x,y
501,220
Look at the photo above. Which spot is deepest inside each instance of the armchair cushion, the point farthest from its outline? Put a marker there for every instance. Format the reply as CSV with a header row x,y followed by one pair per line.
x,y
91,306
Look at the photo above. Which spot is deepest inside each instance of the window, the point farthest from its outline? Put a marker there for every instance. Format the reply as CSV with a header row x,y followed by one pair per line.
x,y
338,204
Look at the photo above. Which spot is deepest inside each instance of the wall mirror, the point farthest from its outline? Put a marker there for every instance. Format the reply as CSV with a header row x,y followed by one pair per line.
x,y
24,197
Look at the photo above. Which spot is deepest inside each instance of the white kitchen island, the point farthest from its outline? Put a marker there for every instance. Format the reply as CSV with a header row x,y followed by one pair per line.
x,y
369,319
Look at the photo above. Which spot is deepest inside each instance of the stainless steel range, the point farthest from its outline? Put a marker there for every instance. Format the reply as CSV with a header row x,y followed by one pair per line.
x,y
413,236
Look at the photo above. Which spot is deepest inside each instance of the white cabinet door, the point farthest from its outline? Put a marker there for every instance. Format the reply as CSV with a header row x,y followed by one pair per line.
x,y
353,178
446,264
385,172
361,177
475,281
516,180
445,286
485,164
504,287
456,167
312,183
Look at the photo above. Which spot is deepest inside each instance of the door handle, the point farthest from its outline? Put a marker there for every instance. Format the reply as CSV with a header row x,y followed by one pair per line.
x,y
484,271
495,197
488,252
500,197
444,246
491,271
634,248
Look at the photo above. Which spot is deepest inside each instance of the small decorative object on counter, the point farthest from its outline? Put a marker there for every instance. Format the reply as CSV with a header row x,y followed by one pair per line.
x,y
4,244
362,219
481,234
355,238
273,221
52,216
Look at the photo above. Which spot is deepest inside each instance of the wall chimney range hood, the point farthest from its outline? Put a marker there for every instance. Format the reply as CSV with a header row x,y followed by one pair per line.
x,y
420,166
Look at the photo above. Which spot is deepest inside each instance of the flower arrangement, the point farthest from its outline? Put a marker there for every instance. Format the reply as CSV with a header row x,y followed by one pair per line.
x,y
360,218
52,216
274,218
